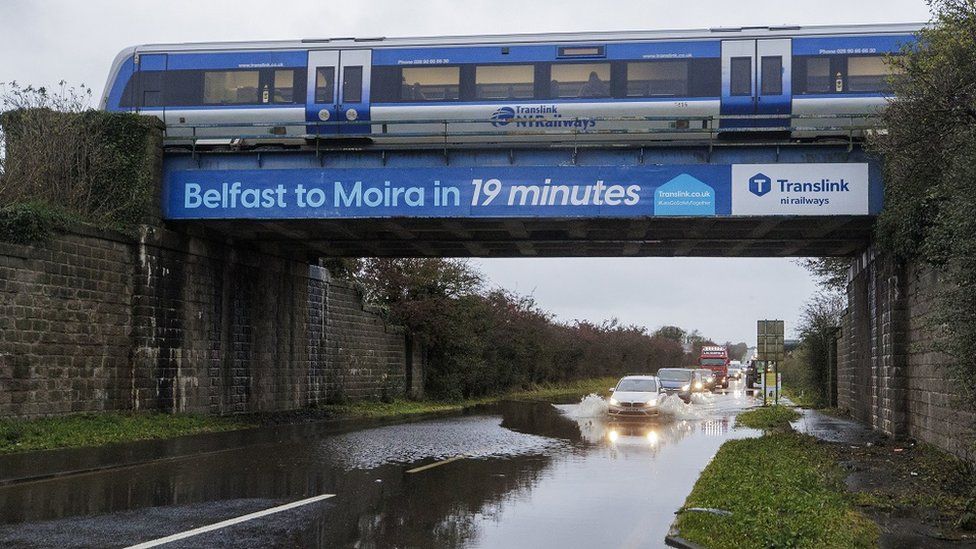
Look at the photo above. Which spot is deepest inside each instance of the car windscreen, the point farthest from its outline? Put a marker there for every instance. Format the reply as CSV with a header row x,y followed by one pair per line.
x,y
713,362
674,375
637,385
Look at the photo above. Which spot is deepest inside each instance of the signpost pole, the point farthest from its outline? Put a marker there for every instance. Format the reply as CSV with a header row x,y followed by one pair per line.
x,y
763,385
776,379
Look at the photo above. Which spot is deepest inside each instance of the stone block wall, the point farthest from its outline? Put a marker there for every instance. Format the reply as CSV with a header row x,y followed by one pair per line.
x,y
64,325
933,410
94,321
889,377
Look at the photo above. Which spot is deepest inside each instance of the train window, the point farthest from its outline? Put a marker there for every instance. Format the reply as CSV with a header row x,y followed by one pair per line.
x,y
184,88
385,87
230,87
868,73
586,80
352,84
656,78
284,86
818,79
430,84
705,77
505,82
151,89
324,84
740,76
772,75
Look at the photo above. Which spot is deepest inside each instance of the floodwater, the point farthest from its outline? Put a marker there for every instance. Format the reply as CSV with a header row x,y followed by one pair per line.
x,y
520,474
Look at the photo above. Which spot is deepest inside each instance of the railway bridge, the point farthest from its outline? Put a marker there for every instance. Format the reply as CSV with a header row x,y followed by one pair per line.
x,y
230,312
762,196
702,197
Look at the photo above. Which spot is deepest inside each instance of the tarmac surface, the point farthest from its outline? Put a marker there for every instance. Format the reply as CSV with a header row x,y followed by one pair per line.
x,y
520,474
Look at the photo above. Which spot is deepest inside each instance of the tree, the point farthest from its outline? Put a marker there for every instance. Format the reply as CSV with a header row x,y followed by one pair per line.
x,y
810,366
480,342
63,99
929,153
390,281
672,333
737,351
830,272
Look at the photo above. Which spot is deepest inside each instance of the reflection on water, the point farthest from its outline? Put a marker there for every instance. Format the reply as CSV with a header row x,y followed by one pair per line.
x,y
533,475
622,481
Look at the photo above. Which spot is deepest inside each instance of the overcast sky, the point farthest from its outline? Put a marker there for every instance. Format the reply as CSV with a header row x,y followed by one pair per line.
x,y
42,42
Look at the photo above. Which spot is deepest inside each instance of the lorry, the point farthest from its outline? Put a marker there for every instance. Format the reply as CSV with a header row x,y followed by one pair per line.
x,y
716,359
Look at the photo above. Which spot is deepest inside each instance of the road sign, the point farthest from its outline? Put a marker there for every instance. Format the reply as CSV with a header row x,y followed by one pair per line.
x,y
769,339
769,348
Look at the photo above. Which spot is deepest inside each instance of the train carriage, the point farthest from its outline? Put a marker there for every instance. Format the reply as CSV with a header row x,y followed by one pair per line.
x,y
807,82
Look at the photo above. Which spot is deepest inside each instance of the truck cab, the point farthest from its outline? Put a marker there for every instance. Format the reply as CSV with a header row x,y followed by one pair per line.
x,y
716,359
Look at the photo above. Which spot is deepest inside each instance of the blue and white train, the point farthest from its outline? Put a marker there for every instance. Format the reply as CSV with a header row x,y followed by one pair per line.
x,y
621,86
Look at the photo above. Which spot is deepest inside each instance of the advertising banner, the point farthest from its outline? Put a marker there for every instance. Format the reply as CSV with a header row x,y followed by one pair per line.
x,y
691,190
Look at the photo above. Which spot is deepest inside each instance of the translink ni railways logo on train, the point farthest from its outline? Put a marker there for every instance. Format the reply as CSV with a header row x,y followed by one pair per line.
x,y
538,116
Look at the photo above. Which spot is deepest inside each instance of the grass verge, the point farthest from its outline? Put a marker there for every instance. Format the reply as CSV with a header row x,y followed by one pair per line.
x,y
803,398
100,429
783,490
768,418
403,407
85,430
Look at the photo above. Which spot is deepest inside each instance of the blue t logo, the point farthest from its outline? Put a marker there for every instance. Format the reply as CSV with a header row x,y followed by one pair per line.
x,y
760,184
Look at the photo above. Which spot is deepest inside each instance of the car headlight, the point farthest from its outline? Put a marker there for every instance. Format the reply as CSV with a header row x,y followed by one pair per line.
x,y
613,401
698,385
650,403
685,387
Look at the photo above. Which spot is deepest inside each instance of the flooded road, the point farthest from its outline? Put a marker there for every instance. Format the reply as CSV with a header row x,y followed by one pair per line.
x,y
520,474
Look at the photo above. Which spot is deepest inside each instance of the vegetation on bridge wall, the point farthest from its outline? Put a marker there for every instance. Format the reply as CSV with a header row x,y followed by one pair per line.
x,y
929,157
64,161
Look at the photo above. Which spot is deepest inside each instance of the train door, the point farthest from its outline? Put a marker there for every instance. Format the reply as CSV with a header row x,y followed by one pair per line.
x,y
756,80
354,75
338,91
321,103
151,69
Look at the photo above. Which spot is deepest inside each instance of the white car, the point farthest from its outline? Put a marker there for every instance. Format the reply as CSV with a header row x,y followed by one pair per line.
x,y
636,396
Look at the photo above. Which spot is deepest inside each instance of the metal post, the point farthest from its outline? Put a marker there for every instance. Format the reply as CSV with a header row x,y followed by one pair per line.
x,y
776,380
763,380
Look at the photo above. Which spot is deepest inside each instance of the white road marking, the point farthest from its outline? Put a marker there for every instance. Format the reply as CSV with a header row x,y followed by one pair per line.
x,y
470,454
229,522
435,464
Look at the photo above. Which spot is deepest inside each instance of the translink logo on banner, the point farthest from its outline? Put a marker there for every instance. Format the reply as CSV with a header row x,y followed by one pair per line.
x,y
800,189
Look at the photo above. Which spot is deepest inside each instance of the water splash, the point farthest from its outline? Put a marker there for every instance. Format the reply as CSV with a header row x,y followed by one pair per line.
x,y
674,406
594,406
590,406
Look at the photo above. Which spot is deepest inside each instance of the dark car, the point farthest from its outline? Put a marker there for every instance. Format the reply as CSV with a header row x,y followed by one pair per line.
x,y
680,381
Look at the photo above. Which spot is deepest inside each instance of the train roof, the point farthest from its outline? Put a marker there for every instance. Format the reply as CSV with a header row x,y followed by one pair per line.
x,y
558,37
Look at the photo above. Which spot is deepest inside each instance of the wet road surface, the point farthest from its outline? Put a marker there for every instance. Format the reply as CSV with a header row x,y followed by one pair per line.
x,y
521,474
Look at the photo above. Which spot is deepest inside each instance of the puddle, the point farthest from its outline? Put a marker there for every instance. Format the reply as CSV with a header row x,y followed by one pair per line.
x,y
480,436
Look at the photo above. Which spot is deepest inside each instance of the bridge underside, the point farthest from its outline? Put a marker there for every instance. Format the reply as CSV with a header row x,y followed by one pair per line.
x,y
710,237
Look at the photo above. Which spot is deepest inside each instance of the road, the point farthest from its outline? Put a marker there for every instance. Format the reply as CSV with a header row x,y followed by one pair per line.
x,y
520,474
